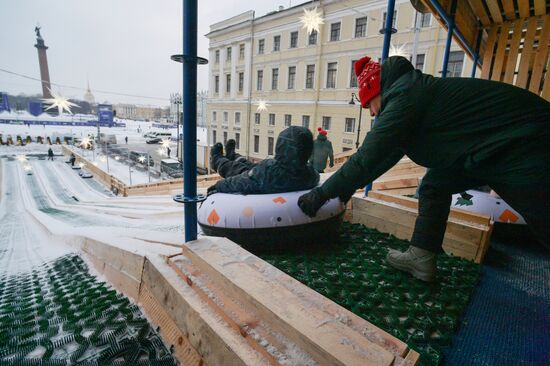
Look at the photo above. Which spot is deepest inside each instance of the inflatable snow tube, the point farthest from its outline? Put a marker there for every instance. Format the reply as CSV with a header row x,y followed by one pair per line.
x,y
487,204
269,222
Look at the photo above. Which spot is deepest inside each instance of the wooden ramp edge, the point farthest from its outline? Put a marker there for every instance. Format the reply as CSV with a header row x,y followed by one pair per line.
x,y
214,303
467,234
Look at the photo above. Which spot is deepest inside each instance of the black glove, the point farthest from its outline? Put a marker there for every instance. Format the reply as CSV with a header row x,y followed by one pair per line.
x,y
311,202
331,165
346,196
211,190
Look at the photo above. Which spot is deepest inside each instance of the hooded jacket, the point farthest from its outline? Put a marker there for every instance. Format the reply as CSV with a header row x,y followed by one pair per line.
x,y
482,128
322,150
288,171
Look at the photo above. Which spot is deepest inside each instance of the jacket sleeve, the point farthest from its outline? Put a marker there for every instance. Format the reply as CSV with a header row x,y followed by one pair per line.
x,y
331,154
244,183
381,149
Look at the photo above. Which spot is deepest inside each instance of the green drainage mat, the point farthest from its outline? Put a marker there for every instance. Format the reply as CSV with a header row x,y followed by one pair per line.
x,y
356,276
59,314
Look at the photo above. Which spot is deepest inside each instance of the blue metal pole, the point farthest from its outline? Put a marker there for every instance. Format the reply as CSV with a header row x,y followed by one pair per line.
x,y
476,56
189,120
388,29
450,29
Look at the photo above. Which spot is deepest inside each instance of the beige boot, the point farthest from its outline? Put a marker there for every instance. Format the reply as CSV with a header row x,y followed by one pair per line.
x,y
419,262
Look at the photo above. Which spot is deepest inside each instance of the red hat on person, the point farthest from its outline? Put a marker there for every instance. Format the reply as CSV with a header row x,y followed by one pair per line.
x,y
321,131
368,79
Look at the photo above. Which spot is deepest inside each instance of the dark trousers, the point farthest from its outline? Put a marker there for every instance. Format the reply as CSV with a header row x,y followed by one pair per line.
x,y
227,168
531,200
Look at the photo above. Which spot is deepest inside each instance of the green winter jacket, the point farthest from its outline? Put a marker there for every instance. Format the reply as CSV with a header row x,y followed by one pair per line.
x,y
322,150
490,130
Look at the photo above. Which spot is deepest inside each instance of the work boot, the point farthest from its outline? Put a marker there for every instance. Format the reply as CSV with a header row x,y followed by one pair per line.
x,y
419,262
215,154
230,149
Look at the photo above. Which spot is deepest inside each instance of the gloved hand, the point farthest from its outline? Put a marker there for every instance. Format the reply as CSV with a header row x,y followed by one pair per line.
x,y
211,190
331,165
311,202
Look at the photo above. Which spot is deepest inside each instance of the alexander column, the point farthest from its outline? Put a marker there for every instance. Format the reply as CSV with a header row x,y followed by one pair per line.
x,y
43,60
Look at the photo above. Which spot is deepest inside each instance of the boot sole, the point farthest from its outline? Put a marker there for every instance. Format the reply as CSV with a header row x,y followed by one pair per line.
x,y
421,275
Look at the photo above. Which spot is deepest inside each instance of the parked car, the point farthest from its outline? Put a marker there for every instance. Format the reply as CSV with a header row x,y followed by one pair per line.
x,y
153,140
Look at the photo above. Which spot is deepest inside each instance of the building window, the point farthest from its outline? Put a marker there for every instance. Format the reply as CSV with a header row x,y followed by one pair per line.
x,y
312,38
256,144
272,119
237,140
419,62
260,80
261,46
310,73
225,117
257,119
228,53
392,21
214,137
291,77
241,81
241,51
326,123
360,27
293,39
335,31
350,125
274,79
237,118
224,137
425,20
228,83
331,75
305,121
214,116
270,146
353,77
217,57
288,120
276,43
454,68
216,84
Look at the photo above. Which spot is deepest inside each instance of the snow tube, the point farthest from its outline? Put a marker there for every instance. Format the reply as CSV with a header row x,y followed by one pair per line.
x,y
268,222
487,204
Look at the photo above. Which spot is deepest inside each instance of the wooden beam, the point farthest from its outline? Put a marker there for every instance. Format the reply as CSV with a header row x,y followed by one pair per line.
x,y
488,52
511,63
541,58
540,7
479,10
546,88
526,53
523,6
501,50
494,9
509,9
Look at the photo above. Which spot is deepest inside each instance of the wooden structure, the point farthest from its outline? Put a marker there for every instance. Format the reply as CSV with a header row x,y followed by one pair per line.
x,y
510,37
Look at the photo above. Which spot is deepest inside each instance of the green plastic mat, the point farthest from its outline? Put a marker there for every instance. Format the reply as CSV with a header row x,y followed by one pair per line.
x,y
59,314
355,275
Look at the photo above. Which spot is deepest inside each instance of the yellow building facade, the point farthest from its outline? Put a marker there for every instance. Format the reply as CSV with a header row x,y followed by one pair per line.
x,y
308,80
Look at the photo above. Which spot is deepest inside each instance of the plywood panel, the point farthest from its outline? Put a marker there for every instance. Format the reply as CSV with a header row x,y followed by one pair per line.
x,y
501,49
527,53
488,53
513,53
541,58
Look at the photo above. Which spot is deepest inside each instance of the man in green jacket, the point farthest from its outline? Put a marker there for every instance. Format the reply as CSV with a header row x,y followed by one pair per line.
x,y
322,150
468,132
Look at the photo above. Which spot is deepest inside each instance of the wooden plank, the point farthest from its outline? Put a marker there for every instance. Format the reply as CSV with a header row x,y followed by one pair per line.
x,y
540,7
479,10
501,49
402,191
523,9
395,183
488,52
494,9
541,58
411,359
527,53
511,63
509,9
546,89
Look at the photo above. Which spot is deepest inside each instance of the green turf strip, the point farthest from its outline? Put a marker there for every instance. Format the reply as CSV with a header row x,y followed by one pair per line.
x,y
354,274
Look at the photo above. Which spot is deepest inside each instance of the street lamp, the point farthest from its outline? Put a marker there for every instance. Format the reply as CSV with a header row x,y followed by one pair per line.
x,y
176,99
352,102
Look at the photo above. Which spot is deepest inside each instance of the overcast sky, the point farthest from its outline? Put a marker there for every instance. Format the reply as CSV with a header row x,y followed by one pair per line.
x,y
120,46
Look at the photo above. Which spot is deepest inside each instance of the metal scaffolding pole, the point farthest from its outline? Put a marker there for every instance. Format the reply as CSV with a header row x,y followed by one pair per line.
x,y
450,29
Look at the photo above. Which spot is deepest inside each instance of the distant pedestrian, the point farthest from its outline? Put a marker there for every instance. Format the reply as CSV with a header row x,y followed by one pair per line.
x,y
126,139
72,159
322,149
50,154
168,151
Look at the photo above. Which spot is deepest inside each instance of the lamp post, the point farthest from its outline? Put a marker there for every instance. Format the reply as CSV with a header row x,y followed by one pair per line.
x,y
352,102
177,101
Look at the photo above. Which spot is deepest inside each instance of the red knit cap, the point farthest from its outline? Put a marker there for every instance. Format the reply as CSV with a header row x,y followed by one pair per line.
x,y
321,131
368,79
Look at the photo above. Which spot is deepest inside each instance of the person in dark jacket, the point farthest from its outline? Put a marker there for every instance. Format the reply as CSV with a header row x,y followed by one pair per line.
x,y
468,132
72,159
288,171
50,154
322,150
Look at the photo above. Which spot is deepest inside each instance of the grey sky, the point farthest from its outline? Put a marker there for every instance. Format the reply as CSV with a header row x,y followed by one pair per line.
x,y
122,46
